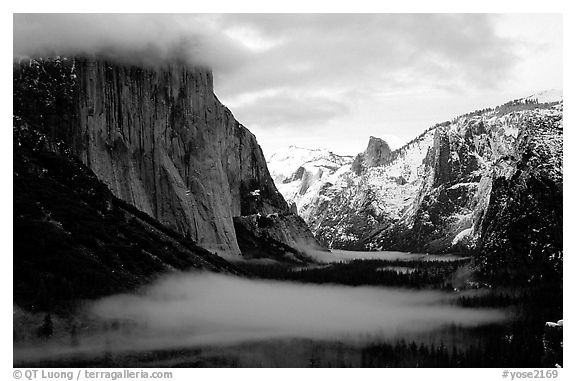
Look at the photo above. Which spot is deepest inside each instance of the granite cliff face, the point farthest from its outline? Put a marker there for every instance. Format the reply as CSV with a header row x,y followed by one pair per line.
x,y
158,138
433,194
521,233
162,141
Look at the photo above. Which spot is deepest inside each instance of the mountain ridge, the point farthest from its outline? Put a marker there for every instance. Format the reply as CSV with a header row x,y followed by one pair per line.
x,y
431,194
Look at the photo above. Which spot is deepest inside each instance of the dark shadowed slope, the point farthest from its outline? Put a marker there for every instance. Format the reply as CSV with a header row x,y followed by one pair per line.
x,y
73,239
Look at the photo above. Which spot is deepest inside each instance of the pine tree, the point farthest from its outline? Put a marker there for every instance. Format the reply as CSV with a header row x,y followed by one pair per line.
x,y
47,328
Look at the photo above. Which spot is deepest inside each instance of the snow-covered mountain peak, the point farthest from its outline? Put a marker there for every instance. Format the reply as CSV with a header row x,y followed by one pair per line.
x,y
547,96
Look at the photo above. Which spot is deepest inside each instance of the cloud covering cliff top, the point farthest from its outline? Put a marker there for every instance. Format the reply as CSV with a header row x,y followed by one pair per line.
x,y
132,38
327,80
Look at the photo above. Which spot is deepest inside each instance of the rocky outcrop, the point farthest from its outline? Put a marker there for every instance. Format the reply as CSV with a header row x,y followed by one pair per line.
x,y
158,138
377,153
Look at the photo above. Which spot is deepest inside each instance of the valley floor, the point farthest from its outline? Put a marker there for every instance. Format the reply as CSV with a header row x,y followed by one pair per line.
x,y
400,310
347,255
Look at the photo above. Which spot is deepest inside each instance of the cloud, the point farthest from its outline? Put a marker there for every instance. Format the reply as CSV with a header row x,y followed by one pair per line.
x,y
285,109
343,49
356,57
258,51
133,38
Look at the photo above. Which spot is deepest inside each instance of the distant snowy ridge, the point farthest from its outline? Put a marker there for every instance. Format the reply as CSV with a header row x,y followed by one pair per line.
x,y
300,173
283,163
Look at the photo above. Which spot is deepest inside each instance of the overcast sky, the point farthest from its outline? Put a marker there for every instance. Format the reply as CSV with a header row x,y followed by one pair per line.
x,y
331,81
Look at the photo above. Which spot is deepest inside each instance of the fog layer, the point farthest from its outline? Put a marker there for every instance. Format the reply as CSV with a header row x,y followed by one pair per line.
x,y
205,309
211,308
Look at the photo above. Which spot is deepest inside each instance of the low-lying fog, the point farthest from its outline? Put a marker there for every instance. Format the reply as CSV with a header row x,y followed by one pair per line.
x,y
204,308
